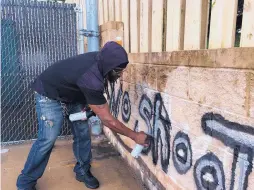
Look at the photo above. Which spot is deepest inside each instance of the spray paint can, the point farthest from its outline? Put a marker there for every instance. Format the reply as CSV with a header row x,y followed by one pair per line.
x,y
138,148
83,115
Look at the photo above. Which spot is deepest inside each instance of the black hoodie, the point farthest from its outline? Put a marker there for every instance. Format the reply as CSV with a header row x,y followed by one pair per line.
x,y
81,78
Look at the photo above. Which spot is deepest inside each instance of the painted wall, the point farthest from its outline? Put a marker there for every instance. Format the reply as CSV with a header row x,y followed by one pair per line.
x,y
202,121
199,106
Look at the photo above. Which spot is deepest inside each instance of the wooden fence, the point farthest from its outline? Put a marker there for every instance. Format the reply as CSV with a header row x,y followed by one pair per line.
x,y
169,25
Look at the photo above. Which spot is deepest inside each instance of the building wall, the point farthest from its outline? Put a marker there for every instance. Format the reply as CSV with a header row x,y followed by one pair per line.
x,y
199,106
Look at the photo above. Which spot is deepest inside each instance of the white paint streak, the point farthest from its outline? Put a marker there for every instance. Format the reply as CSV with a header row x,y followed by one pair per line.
x,y
208,177
181,153
238,136
240,172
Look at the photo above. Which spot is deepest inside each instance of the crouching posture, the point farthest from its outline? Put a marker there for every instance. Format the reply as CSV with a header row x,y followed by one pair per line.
x,y
77,82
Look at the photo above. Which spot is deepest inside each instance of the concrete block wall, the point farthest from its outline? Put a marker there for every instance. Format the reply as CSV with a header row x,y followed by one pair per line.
x,y
199,106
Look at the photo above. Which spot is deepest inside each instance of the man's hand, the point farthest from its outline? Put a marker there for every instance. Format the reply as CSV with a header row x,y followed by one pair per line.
x,y
141,138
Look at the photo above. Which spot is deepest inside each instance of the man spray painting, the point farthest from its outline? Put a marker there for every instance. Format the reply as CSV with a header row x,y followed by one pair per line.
x,y
77,82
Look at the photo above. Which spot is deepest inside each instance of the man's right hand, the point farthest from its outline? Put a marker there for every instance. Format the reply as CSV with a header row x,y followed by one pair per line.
x,y
141,138
102,111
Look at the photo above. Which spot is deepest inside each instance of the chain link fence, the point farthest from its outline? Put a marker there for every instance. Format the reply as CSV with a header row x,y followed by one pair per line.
x,y
33,36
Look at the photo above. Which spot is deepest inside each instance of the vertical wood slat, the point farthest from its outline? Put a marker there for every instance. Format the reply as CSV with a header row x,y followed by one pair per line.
x,y
223,23
145,25
157,25
118,10
196,17
204,23
105,11
126,22
111,5
247,32
101,12
175,24
134,25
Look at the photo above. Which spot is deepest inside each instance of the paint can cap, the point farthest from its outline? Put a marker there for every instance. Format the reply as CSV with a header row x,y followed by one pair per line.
x,y
119,40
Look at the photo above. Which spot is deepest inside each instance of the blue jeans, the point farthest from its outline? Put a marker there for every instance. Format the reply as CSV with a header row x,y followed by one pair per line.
x,y
50,118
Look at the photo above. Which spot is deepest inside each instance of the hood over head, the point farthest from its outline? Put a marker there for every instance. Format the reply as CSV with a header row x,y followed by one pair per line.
x,y
112,55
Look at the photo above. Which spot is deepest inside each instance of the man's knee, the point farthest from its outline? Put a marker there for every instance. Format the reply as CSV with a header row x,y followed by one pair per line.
x,y
47,146
81,129
46,142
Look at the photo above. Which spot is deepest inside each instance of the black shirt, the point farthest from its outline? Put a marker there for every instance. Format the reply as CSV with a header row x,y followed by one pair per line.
x,y
81,78
65,81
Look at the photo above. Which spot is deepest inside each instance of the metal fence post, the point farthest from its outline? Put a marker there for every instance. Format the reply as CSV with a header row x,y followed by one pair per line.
x,y
92,24
81,44
92,34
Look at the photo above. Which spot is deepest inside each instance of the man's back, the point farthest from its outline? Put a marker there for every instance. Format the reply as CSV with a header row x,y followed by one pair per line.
x,y
59,81
81,78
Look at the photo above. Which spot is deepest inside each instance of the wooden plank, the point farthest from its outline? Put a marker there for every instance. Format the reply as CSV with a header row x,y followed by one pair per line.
x,y
247,32
134,25
196,17
101,12
118,10
105,10
175,24
223,23
145,25
126,22
204,23
157,25
111,4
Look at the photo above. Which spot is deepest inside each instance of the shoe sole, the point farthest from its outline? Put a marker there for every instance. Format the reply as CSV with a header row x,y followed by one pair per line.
x,y
88,186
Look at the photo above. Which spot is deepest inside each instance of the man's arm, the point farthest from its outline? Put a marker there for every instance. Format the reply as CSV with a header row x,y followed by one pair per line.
x,y
102,111
99,105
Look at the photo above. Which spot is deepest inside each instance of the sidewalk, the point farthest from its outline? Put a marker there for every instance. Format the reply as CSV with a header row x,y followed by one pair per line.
x,y
108,166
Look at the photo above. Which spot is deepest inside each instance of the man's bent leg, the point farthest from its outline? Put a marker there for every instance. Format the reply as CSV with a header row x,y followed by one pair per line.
x,y
50,119
82,150
82,141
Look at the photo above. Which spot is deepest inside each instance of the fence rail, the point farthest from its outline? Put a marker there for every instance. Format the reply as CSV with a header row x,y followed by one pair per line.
x,y
168,25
